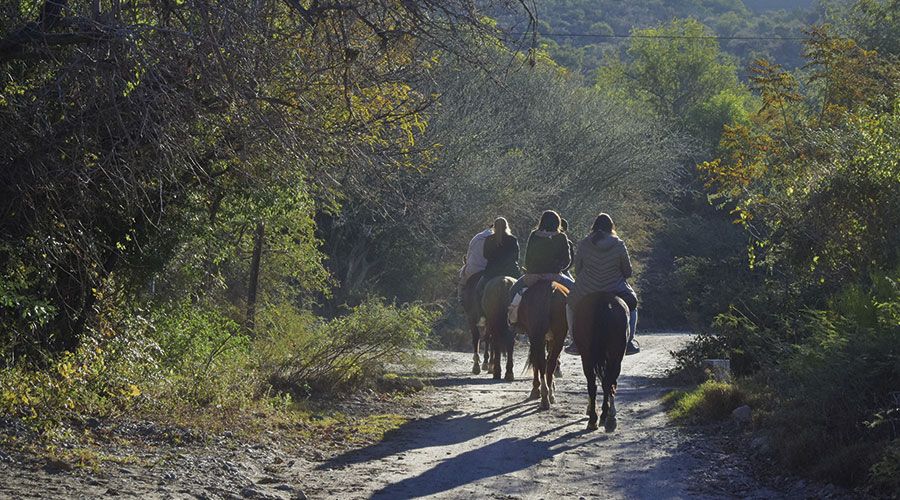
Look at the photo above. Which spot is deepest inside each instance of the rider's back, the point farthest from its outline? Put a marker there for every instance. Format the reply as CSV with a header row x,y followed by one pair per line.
x,y
547,252
601,265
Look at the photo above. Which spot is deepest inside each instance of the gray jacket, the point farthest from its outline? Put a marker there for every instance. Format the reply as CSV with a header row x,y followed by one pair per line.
x,y
601,266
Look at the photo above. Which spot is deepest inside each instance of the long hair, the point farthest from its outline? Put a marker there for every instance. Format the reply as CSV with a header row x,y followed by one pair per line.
x,y
602,226
550,221
501,229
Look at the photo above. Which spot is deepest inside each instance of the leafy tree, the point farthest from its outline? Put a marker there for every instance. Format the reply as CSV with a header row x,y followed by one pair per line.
x,y
504,139
138,128
815,179
687,79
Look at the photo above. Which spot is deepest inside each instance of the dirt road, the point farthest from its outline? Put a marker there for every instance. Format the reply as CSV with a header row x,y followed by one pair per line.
x,y
468,437
490,443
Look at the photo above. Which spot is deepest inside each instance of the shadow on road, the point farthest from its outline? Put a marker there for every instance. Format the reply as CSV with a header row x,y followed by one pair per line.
x,y
448,428
498,458
461,381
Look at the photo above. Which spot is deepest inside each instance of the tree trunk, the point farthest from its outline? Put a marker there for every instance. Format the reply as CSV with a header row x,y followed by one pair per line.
x,y
253,285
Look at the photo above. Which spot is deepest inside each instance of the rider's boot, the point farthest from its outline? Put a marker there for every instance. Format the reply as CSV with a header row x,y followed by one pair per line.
x,y
632,347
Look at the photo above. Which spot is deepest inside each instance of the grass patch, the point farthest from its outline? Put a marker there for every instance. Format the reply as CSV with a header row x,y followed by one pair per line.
x,y
710,402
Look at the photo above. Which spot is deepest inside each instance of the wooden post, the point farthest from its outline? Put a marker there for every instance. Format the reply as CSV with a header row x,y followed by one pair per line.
x,y
253,285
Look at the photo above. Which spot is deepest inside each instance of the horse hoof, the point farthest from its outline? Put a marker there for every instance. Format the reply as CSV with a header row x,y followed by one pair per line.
x,y
592,425
509,377
496,375
552,399
486,366
610,424
603,418
535,394
476,369
545,405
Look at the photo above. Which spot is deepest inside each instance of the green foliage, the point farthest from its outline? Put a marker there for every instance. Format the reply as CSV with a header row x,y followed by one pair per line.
x,y
686,80
302,355
730,18
190,336
689,359
817,179
103,377
837,386
710,402
886,472
190,366
813,178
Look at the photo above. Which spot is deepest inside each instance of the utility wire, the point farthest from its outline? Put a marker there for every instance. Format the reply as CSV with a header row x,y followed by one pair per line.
x,y
669,37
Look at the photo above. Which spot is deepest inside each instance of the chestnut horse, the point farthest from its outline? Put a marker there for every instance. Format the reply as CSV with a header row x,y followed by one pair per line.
x,y
601,333
472,306
500,339
543,314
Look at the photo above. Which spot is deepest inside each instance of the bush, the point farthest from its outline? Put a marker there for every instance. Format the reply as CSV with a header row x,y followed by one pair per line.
x,y
190,365
302,355
710,402
885,478
836,387
100,378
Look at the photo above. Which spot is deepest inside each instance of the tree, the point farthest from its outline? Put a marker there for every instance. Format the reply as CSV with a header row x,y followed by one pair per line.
x,y
136,127
815,177
503,139
679,74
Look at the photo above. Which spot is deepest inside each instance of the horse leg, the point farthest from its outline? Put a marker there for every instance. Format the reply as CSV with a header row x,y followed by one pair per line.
x,y
611,423
486,352
588,368
610,379
510,344
545,390
553,366
604,410
476,339
535,385
495,354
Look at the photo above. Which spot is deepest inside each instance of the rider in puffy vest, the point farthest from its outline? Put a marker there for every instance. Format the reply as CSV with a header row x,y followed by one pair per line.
x,y
602,265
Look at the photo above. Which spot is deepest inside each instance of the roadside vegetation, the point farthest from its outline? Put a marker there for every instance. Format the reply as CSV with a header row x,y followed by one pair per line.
x,y
813,177
220,216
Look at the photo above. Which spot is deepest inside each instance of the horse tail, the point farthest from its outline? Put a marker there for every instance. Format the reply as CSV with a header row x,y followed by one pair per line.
x,y
611,327
600,343
536,308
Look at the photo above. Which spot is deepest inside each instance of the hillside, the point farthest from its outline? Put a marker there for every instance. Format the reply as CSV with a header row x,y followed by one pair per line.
x,y
578,33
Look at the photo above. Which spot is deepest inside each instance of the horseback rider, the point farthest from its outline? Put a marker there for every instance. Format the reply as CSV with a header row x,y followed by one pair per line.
x,y
546,256
602,265
475,262
501,251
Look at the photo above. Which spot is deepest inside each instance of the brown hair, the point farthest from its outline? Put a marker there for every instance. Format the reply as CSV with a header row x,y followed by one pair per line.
x,y
603,224
550,221
501,229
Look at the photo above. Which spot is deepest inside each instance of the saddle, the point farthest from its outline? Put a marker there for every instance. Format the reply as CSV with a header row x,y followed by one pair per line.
x,y
530,280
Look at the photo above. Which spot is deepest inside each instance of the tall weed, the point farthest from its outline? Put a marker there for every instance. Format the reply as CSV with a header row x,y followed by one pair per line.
x,y
303,355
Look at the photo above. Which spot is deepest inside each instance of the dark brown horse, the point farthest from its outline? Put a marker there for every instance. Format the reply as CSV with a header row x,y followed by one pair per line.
x,y
499,337
543,314
472,306
601,333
